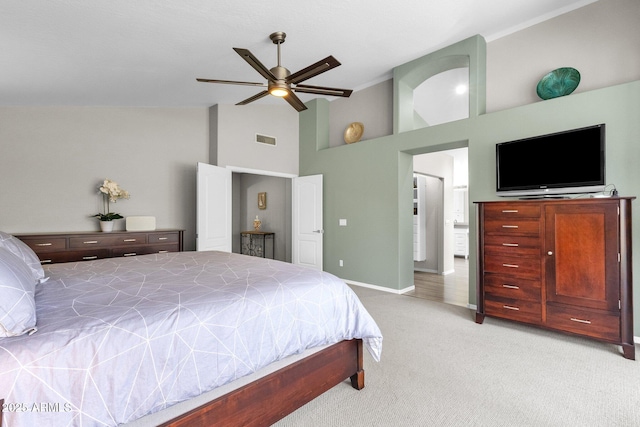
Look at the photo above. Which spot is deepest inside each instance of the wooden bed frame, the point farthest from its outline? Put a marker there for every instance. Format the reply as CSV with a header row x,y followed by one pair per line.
x,y
271,398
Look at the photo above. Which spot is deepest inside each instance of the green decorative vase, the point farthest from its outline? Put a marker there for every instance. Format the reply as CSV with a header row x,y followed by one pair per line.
x,y
559,82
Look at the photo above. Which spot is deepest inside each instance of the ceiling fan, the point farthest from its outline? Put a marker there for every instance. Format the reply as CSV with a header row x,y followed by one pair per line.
x,y
280,81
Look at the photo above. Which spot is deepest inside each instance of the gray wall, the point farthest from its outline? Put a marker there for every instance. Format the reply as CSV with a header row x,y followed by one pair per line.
x,y
600,40
372,107
52,160
235,136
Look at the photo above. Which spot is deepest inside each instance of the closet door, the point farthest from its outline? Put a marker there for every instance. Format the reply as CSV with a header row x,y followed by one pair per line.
x,y
213,212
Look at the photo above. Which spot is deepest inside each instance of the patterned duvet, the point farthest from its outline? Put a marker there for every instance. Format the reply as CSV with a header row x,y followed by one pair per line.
x,y
124,337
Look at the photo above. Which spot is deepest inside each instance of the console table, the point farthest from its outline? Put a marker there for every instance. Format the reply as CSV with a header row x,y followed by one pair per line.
x,y
83,246
254,243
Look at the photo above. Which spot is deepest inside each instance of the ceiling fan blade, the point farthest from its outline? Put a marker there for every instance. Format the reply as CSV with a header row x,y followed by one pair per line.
x,y
313,70
294,101
254,97
255,63
232,82
320,90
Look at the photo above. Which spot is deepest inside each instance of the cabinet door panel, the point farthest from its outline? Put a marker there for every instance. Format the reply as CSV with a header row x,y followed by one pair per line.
x,y
582,266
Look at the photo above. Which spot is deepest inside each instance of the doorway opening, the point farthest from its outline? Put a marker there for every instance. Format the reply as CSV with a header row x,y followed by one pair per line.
x,y
300,210
274,213
442,274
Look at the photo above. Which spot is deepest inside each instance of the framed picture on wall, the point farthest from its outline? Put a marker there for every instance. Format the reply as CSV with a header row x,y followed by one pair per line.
x,y
262,200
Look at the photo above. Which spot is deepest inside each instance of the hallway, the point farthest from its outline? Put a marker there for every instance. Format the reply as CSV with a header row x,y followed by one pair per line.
x,y
450,289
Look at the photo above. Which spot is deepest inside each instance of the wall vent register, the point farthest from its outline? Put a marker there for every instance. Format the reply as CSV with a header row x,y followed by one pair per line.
x,y
264,139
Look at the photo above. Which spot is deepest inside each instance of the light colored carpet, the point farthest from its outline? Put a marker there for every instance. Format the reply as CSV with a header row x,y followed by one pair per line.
x,y
440,368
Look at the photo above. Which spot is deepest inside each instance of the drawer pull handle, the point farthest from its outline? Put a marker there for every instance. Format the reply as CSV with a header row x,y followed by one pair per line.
x,y
510,244
509,226
163,252
587,322
90,242
87,258
511,287
508,307
129,240
130,254
510,211
44,244
510,265
163,238
46,261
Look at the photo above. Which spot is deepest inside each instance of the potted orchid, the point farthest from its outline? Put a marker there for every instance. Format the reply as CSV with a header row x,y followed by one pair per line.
x,y
111,192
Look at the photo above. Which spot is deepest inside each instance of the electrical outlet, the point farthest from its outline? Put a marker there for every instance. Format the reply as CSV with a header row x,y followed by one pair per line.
x,y
342,222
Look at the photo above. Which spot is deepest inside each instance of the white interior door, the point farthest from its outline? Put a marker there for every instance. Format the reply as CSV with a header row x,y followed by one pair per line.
x,y
213,222
307,221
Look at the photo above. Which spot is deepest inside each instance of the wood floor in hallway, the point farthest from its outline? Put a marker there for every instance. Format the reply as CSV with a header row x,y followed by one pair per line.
x,y
450,289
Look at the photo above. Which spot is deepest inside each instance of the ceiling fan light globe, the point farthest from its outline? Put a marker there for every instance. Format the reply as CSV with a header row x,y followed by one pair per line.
x,y
277,91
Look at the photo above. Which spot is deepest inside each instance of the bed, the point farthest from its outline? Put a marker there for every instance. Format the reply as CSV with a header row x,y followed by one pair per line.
x,y
117,339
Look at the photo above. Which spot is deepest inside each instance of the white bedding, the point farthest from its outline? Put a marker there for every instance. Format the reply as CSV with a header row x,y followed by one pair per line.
x,y
123,337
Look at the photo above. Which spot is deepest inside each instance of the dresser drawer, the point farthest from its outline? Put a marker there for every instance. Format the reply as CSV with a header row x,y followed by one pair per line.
x,y
512,241
100,241
514,227
513,266
512,287
512,210
592,323
72,256
512,245
523,311
163,238
44,244
144,250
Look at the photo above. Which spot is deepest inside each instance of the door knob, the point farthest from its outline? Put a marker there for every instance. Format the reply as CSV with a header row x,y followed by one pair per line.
x,y
318,231
549,253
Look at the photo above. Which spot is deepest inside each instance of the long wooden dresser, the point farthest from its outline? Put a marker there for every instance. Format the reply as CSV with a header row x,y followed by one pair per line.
x,y
69,247
559,264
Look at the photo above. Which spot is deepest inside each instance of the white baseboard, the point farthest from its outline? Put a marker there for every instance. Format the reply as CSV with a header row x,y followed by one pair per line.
x,y
380,288
411,288
425,270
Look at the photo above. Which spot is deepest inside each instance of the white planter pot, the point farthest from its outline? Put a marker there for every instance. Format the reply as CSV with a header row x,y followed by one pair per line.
x,y
106,226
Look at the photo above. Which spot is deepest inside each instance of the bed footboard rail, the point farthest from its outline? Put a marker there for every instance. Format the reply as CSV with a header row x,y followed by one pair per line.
x,y
271,398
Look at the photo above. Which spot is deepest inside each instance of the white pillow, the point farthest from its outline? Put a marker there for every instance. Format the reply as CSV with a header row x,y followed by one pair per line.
x,y
17,303
24,252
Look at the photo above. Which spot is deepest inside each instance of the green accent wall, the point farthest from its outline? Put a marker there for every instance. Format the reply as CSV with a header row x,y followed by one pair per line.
x,y
369,183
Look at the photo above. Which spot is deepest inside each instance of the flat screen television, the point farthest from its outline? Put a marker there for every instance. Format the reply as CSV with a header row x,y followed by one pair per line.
x,y
563,163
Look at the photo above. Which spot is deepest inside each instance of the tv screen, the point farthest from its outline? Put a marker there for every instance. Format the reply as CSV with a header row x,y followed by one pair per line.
x,y
566,162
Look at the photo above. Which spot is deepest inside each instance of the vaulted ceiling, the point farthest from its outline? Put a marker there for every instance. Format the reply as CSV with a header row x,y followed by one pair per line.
x,y
149,52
